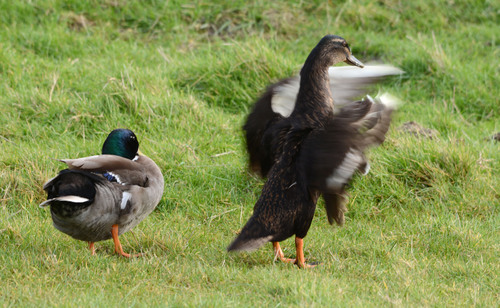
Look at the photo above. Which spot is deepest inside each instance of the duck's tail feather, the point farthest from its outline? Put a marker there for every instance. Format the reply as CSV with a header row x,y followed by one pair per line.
x,y
248,244
251,237
68,199
71,187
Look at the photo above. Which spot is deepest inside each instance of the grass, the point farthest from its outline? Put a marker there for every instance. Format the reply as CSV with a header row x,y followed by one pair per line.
x,y
422,227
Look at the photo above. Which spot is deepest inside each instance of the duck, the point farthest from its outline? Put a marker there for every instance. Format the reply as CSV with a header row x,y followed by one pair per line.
x,y
318,151
346,83
100,197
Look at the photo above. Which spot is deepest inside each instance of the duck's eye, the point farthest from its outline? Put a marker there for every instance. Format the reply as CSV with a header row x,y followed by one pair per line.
x,y
345,44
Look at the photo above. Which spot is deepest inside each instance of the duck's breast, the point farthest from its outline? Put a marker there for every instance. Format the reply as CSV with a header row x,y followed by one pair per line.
x,y
139,201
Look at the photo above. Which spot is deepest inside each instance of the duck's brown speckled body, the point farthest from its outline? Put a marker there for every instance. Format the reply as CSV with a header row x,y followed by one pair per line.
x,y
316,151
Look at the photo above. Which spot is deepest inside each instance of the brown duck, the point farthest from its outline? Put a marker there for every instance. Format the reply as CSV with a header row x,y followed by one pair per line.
x,y
101,197
317,151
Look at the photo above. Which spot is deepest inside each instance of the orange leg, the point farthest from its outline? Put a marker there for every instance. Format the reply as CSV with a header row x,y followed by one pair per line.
x,y
118,245
278,253
301,261
92,248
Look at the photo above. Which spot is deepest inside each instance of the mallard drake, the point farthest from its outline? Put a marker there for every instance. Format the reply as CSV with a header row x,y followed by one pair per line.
x,y
101,197
346,83
318,152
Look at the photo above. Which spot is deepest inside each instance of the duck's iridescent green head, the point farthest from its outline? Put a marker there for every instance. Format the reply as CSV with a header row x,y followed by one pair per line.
x,y
121,142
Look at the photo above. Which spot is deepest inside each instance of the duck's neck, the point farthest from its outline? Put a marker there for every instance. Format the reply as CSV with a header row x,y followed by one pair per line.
x,y
314,99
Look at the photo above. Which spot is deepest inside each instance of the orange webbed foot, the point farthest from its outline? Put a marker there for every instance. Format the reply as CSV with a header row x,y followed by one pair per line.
x,y
301,261
92,248
278,253
306,265
118,245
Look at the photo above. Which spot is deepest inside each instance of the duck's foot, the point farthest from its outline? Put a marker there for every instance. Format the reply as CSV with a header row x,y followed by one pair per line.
x,y
278,253
118,245
301,261
307,265
92,248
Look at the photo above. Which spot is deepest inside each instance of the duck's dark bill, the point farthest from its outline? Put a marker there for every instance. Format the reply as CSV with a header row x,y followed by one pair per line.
x,y
353,61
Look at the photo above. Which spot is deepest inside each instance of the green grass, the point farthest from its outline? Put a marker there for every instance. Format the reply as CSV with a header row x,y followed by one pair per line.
x,y
422,227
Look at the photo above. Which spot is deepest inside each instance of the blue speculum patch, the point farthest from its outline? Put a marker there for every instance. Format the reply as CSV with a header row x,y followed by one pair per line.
x,y
109,177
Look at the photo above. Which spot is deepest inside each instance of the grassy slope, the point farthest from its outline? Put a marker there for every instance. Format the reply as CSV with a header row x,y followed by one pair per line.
x,y
422,227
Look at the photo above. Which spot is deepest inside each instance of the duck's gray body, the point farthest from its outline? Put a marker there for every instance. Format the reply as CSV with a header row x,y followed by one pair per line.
x,y
135,189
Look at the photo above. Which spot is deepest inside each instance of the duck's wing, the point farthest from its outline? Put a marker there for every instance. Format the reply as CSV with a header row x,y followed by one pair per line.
x,y
259,127
278,101
347,84
330,157
114,168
